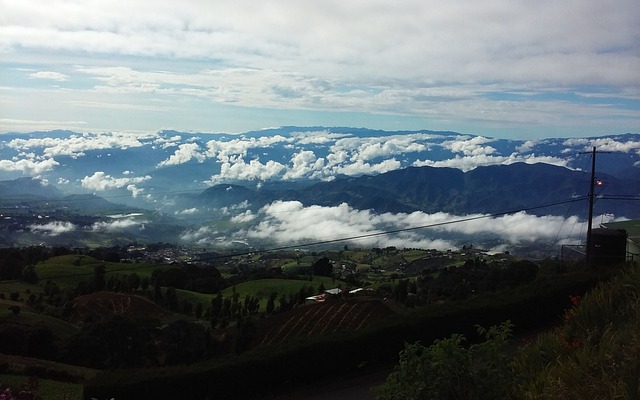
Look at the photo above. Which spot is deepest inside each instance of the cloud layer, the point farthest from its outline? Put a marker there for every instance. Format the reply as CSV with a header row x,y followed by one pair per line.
x,y
518,67
291,223
286,154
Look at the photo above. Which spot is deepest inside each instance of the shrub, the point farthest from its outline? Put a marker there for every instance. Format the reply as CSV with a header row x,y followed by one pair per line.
x,y
449,370
594,354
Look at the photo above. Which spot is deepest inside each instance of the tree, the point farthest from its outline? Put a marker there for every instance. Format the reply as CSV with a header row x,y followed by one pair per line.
x,y
450,370
245,333
271,303
29,274
183,342
322,267
144,283
171,298
216,306
401,291
156,296
98,282
114,343
284,303
133,282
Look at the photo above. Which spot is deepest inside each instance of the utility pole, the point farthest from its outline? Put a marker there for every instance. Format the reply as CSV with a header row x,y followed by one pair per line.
x,y
588,252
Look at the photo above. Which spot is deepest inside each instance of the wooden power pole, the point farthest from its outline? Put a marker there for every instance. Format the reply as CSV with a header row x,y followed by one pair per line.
x,y
589,251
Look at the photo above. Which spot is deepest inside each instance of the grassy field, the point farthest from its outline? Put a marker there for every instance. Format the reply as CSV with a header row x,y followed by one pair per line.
x,y
412,255
195,297
263,288
69,270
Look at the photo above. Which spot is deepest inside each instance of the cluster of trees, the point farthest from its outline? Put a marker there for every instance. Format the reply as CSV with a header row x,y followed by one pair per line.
x,y
14,260
293,299
190,277
123,343
223,310
458,283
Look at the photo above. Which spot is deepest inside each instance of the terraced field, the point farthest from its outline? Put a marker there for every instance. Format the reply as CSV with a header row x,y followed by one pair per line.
x,y
321,319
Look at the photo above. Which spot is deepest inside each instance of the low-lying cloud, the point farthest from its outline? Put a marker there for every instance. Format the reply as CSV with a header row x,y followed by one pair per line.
x,y
77,145
53,228
28,167
118,225
185,153
290,222
604,144
100,181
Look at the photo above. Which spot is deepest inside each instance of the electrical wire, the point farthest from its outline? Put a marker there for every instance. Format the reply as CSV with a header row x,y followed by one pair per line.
x,y
350,238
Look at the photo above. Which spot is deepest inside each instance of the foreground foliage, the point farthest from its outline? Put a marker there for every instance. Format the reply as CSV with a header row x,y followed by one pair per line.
x,y
593,354
449,370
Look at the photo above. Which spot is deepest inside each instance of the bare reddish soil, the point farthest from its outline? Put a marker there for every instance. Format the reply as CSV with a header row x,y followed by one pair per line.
x,y
103,305
321,318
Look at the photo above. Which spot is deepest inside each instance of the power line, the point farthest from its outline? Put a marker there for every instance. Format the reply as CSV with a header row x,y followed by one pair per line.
x,y
351,238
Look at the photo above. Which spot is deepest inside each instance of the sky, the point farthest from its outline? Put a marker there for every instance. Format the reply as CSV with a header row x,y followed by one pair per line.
x,y
508,69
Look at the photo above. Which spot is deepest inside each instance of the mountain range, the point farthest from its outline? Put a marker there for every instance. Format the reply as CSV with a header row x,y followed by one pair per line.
x,y
215,189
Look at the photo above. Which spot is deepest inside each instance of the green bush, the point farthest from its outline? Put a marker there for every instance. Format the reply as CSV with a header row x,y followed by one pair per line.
x,y
450,370
594,354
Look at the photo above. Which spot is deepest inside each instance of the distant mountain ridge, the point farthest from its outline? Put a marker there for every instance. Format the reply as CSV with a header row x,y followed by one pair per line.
x,y
21,187
490,189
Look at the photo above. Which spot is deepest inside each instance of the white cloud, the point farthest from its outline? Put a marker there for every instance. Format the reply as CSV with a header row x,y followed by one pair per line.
x,y
237,169
185,153
101,181
440,60
135,191
291,222
187,211
56,76
470,146
204,234
53,228
604,144
321,137
234,149
118,225
76,145
527,146
29,167
305,165
366,149
467,163
361,168
246,216
380,38
228,210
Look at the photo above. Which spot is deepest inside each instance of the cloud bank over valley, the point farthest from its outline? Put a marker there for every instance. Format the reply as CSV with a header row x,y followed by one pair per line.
x,y
298,185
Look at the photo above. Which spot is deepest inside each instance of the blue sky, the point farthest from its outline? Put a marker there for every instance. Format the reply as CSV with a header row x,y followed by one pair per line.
x,y
512,69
